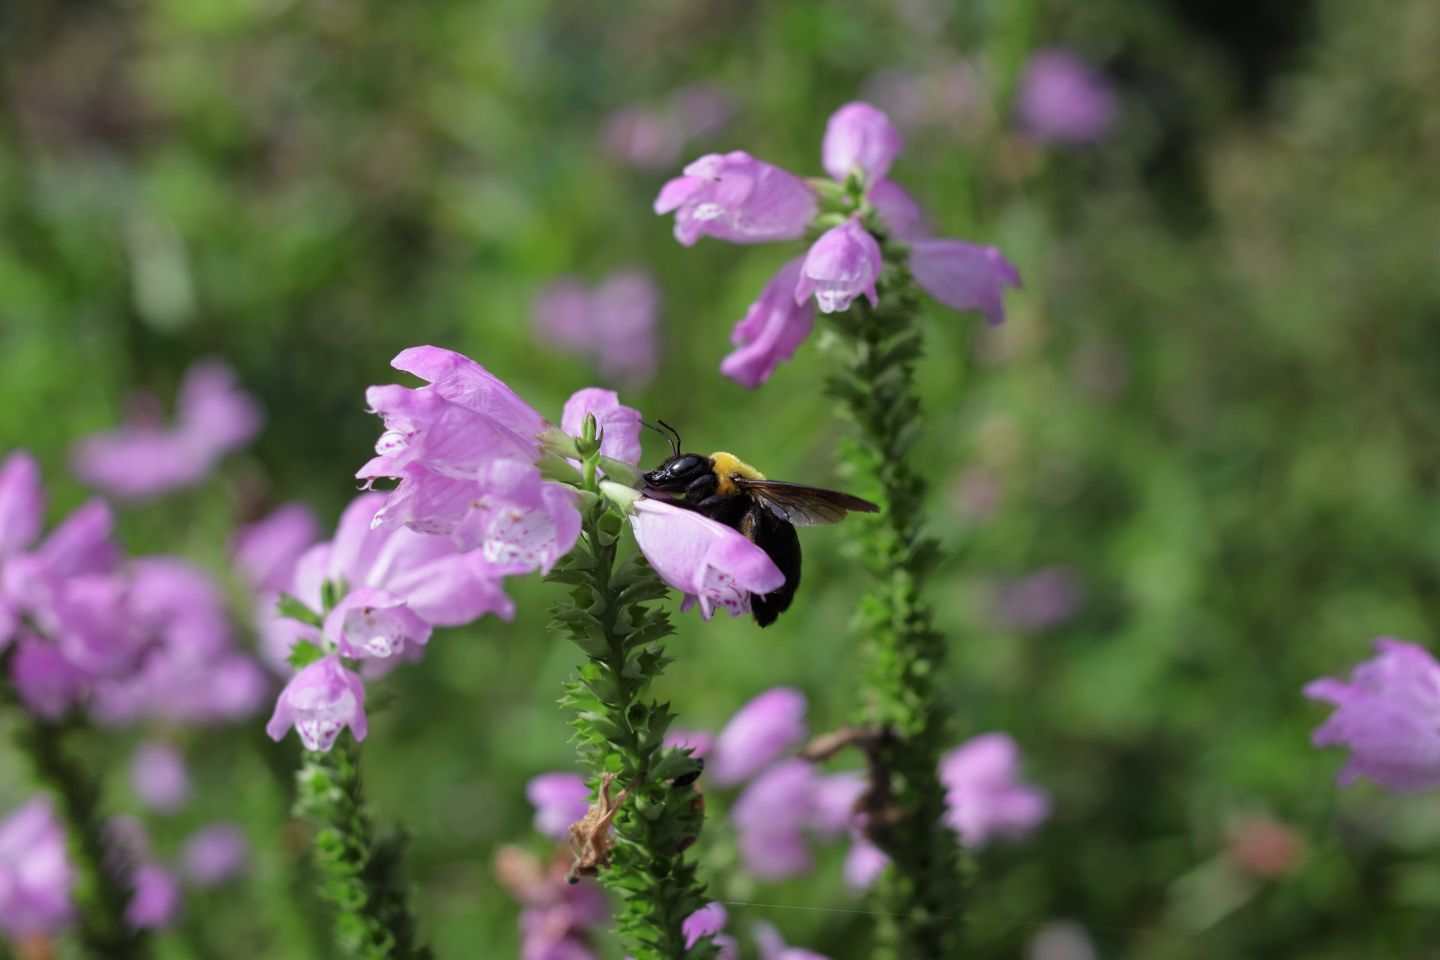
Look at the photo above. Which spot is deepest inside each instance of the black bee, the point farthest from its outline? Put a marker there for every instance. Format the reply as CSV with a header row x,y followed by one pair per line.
x,y
726,489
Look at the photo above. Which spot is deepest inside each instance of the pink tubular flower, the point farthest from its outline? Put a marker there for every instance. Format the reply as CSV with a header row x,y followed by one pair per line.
x,y
265,552
708,921
711,563
1063,99
155,900
519,523
859,138
899,211
559,799
737,198
1386,714
771,818
159,778
842,264
864,862
214,854
759,733
439,437
643,138
22,503
614,324
618,424
319,702
144,459
773,329
35,873
985,794
772,946
964,276
557,916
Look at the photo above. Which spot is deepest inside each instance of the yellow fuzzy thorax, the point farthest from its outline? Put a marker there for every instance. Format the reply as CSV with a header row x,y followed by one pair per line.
x,y
728,465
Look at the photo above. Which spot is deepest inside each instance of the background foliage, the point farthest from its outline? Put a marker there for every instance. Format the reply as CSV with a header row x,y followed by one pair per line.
x,y
1213,404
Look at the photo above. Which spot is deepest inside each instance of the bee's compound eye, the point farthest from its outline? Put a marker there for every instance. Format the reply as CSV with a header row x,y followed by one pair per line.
x,y
688,464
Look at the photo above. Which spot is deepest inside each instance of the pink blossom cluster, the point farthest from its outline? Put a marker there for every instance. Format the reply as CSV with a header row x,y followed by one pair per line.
x,y
738,198
651,136
1388,714
145,458
470,508
612,323
124,640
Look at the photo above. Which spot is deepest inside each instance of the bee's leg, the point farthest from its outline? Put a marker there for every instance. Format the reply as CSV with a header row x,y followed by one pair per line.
x,y
702,488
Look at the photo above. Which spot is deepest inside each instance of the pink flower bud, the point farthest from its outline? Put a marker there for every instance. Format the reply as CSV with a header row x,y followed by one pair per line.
x,y
842,264
319,702
964,276
773,329
737,198
859,138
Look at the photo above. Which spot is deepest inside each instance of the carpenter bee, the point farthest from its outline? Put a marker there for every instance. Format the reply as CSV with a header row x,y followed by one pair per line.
x,y
766,512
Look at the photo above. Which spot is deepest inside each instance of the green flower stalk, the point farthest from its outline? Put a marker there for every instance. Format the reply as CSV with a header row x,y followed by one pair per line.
x,y
878,347
645,790
359,873
100,893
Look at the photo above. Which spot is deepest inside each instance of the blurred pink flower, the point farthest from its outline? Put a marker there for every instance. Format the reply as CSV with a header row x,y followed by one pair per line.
x,y
737,198
964,276
707,561
772,330
1063,99
618,425
772,817
710,920
36,878
1386,714
265,552
758,734
1264,847
642,137
158,777
773,947
154,899
559,799
557,916
984,792
143,459
614,323
214,854
1040,599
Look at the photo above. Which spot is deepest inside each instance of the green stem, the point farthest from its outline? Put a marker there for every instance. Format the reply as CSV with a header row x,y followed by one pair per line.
x,y
99,892
904,655
620,731
359,873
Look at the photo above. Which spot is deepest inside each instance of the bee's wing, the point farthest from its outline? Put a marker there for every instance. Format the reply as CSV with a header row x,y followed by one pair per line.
x,y
801,505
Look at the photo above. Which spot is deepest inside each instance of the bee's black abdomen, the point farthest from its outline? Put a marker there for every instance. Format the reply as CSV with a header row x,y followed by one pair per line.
x,y
777,538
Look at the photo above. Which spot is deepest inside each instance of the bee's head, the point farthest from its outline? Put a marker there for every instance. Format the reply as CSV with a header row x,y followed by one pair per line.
x,y
681,470
677,473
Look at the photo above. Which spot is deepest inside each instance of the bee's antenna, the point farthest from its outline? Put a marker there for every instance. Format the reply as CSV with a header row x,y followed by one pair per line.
x,y
675,434
671,438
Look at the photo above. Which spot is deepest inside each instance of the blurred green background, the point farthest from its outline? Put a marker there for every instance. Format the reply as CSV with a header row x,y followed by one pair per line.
x,y
1213,405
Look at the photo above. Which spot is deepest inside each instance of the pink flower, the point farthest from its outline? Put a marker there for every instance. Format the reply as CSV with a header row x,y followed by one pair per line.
x,y
709,921
964,276
439,437
22,503
773,947
1387,715
1041,599
737,198
613,324
519,523
698,742
374,624
159,778
772,817
643,138
899,211
711,563
773,329
557,916
1063,99
759,733
842,264
48,685
155,900
864,862
559,799
36,878
319,702
859,138
984,793
618,424
214,854
265,552
143,458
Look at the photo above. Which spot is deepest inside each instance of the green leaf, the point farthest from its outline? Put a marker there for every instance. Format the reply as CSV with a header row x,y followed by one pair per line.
x,y
303,654
292,608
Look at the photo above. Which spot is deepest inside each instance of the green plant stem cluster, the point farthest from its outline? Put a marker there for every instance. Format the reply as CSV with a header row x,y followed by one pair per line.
x,y
620,729
360,875
904,655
